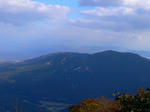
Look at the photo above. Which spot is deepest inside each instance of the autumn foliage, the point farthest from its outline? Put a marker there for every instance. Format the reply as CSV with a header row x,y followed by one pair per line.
x,y
139,102
95,105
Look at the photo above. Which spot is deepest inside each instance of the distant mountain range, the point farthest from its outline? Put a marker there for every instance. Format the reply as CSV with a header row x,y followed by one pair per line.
x,y
49,83
24,54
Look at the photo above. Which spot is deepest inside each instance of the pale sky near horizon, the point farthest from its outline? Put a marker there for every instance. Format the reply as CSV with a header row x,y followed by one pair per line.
x,y
42,26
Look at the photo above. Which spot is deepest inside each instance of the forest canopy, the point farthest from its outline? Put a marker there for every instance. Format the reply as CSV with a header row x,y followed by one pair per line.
x,y
138,102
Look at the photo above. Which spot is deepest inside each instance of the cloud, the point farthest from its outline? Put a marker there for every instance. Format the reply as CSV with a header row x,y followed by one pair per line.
x,y
32,28
120,19
26,11
113,3
144,4
116,15
99,2
122,24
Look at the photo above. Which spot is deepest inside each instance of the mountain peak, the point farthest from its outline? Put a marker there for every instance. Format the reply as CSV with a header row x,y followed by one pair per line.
x,y
72,76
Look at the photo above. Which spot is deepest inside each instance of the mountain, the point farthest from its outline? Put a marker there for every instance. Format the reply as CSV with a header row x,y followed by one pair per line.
x,y
142,53
50,83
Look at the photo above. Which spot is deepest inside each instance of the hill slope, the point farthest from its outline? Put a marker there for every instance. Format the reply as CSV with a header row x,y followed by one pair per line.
x,y
68,77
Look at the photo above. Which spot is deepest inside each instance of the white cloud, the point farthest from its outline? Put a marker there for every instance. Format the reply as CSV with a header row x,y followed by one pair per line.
x,y
121,23
106,3
145,4
25,11
120,19
27,26
100,11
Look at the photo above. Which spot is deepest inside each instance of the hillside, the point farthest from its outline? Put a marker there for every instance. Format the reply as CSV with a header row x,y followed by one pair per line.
x,y
53,81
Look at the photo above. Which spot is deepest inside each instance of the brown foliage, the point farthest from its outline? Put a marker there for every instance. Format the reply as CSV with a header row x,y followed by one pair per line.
x,y
95,105
138,102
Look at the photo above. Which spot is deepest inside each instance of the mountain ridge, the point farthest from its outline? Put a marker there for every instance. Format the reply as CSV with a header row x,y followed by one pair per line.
x,y
69,77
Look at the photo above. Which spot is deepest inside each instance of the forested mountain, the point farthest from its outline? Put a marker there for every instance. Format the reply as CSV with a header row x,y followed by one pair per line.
x,y
52,82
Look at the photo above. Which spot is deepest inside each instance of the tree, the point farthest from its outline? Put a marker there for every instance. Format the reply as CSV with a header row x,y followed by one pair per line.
x,y
95,105
139,102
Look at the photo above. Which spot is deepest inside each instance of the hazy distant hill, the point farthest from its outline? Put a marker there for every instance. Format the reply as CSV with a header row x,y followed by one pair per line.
x,y
51,82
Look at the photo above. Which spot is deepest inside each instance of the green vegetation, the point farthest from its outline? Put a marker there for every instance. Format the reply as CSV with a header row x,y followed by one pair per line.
x,y
139,102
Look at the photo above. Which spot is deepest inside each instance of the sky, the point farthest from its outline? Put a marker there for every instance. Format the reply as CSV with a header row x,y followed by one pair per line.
x,y
30,28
